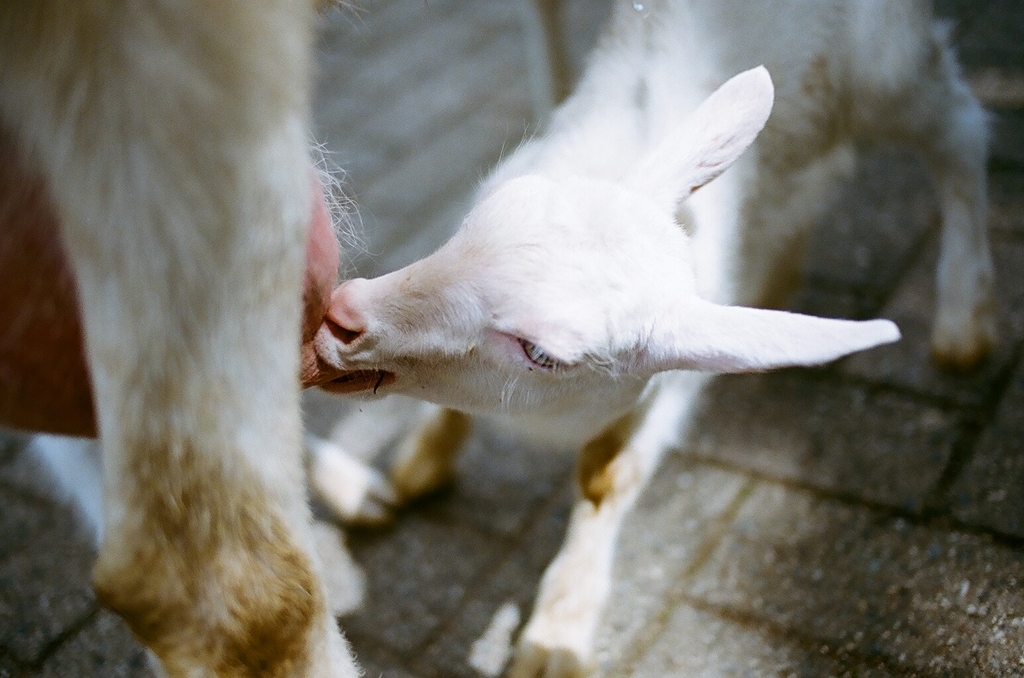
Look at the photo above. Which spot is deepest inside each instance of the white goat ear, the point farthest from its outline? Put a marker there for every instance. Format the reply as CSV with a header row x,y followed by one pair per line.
x,y
710,338
708,141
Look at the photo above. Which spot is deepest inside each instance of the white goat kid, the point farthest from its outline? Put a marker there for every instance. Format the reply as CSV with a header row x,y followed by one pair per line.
x,y
571,281
571,284
173,138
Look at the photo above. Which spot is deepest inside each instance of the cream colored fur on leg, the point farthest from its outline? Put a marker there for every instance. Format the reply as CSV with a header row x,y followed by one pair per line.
x,y
172,137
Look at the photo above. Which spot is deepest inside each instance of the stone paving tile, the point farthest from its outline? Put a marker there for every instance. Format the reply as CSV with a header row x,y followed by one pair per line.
x,y
668,531
513,581
355,87
21,521
1010,415
105,647
880,447
935,601
17,470
696,644
364,23
22,473
438,228
988,491
1007,144
452,161
360,89
961,11
417,574
9,668
346,67
501,482
988,494
434,91
907,363
415,195
374,668
45,588
29,499
995,38
430,105
1006,203
661,538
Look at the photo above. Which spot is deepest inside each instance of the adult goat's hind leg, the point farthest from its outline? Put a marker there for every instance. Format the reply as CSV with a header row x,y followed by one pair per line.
x,y
964,327
935,111
173,139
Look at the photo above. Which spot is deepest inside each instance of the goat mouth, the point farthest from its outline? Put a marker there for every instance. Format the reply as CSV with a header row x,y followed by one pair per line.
x,y
359,380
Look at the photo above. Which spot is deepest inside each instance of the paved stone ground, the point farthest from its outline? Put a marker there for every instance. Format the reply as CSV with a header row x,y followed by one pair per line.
x,y
861,520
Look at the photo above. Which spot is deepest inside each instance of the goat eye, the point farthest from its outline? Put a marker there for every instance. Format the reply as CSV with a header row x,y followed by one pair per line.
x,y
537,356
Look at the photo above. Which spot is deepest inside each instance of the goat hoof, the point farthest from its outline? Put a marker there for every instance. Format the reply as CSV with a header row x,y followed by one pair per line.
x,y
536,661
353,491
963,351
378,503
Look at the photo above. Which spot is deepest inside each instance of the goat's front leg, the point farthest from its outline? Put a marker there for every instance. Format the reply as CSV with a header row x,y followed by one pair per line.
x,y
356,494
351,489
558,640
425,461
172,138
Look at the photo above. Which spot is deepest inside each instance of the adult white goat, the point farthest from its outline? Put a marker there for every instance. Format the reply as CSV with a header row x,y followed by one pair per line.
x,y
172,139
571,282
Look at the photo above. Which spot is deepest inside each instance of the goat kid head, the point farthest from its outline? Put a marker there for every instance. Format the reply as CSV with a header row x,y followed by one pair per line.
x,y
566,292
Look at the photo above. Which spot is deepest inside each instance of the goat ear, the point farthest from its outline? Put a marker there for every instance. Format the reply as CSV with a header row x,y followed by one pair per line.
x,y
710,338
709,140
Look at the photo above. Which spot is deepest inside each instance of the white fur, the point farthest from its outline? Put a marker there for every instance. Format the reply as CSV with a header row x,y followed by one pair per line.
x,y
351,489
574,247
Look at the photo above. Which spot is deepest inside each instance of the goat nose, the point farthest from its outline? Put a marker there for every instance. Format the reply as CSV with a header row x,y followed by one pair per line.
x,y
345,321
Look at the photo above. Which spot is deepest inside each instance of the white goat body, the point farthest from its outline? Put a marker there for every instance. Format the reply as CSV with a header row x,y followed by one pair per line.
x,y
571,282
172,138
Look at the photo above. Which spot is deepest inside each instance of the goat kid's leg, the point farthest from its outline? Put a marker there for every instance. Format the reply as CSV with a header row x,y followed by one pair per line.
x,y
964,329
426,458
558,640
173,140
353,491
936,112
356,494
